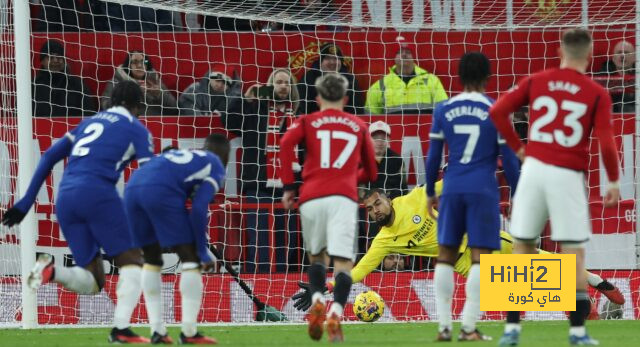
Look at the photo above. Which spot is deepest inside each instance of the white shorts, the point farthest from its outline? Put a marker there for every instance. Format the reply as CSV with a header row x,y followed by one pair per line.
x,y
330,222
550,192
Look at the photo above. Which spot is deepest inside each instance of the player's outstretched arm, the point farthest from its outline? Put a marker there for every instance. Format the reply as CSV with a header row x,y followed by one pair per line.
x,y
507,104
368,263
511,166
199,220
434,158
293,136
608,151
60,150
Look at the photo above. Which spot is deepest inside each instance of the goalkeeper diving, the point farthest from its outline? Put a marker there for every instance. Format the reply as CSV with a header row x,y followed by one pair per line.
x,y
406,228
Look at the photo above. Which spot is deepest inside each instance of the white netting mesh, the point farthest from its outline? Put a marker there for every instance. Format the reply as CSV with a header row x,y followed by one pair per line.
x,y
242,42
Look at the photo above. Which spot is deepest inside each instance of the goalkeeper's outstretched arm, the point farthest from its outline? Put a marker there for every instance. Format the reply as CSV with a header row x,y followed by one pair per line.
x,y
369,262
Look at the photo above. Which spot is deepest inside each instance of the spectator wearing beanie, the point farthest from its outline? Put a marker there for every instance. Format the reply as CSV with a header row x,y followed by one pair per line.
x,y
331,60
56,92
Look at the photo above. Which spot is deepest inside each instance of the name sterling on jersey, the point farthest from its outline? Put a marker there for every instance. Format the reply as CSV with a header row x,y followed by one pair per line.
x,y
465,110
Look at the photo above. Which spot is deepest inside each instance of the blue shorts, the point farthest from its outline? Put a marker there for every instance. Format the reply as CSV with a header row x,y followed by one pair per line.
x,y
91,218
476,214
157,215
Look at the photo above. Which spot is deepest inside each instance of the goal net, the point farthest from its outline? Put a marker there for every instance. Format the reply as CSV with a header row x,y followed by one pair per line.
x,y
197,60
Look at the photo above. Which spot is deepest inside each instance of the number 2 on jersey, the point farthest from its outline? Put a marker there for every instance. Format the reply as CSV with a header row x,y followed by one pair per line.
x,y
325,137
94,130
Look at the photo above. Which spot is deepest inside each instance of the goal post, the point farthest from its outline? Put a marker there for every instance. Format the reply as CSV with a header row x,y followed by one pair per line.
x,y
232,41
26,165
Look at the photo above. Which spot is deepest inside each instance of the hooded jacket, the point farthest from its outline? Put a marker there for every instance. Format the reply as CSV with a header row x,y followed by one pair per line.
x,y
156,105
60,94
200,99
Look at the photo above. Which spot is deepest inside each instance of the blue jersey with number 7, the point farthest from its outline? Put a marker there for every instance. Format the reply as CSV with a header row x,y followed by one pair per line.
x,y
473,143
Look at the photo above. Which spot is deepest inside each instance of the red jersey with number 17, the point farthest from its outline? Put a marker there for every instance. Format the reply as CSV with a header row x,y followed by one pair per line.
x,y
336,145
564,107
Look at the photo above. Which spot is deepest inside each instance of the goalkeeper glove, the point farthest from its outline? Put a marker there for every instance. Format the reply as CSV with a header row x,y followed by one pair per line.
x,y
13,216
302,300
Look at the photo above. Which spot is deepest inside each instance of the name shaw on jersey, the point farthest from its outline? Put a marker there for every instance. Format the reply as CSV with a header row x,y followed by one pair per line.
x,y
465,110
563,85
333,119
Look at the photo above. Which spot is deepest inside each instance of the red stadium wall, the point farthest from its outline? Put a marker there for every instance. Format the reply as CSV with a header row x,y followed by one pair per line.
x,y
409,137
183,57
407,296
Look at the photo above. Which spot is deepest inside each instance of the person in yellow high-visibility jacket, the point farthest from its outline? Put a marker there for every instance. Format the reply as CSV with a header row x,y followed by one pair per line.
x,y
407,229
407,88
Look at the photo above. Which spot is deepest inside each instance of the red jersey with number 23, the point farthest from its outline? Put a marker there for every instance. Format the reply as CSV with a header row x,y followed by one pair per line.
x,y
564,107
338,154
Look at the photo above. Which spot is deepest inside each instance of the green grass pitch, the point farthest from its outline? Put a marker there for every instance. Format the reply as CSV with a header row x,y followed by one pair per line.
x,y
546,334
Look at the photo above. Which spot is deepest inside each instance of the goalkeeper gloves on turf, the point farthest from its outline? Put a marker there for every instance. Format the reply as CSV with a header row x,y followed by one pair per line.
x,y
302,300
13,216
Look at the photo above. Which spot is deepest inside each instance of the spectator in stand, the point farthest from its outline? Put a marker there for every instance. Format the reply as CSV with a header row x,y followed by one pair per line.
x,y
622,65
407,88
391,170
117,17
330,60
137,67
62,15
261,118
56,92
209,95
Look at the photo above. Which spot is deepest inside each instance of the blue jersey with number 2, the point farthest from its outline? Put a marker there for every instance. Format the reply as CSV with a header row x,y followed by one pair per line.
x,y
89,210
103,145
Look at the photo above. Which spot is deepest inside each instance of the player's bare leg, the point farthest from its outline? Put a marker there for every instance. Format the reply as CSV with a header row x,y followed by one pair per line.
x,y
512,329
471,310
128,292
577,332
151,287
317,273
342,269
443,278
191,288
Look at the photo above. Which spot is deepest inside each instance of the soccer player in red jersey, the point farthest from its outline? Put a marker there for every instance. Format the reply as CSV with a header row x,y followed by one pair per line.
x,y
565,106
337,144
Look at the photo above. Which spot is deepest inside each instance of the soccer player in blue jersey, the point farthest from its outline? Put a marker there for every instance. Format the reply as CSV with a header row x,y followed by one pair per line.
x,y
89,210
470,200
155,199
